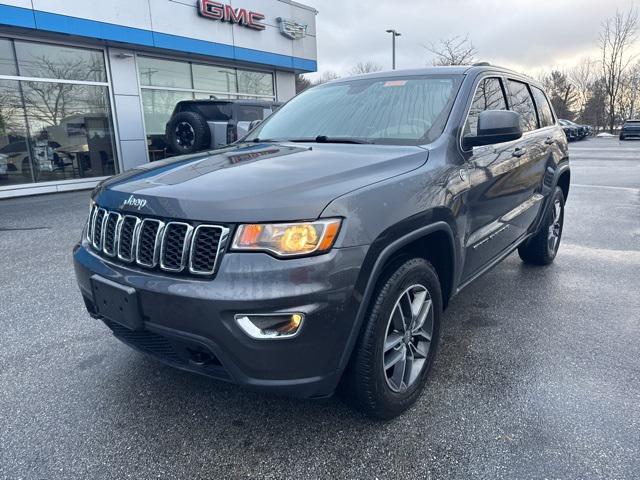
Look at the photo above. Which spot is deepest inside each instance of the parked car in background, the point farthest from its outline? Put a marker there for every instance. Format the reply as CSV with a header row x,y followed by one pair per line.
x,y
573,131
569,131
630,129
197,125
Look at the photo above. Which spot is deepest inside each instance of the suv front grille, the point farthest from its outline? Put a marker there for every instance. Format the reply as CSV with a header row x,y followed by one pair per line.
x,y
172,246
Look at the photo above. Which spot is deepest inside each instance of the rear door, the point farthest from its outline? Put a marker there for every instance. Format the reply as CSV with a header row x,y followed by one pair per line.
x,y
502,177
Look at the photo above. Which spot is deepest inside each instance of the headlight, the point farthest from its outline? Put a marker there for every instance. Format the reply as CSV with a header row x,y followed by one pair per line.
x,y
287,239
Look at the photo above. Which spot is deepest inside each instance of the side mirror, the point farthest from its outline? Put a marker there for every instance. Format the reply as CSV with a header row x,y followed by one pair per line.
x,y
495,126
254,124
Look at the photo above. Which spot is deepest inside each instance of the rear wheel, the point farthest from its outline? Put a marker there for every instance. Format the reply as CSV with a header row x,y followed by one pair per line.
x,y
394,353
188,133
542,248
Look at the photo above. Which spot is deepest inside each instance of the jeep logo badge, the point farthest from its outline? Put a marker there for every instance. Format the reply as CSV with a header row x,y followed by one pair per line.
x,y
132,201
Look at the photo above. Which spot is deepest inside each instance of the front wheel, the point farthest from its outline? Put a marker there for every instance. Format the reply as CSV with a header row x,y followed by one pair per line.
x,y
394,353
542,248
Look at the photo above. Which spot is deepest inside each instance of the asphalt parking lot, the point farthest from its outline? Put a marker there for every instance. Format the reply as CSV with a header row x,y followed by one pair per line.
x,y
538,375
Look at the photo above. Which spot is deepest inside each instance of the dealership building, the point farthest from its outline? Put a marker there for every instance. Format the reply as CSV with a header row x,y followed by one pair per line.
x,y
86,88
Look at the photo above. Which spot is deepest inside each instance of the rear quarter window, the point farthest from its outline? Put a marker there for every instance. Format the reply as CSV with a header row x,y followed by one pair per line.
x,y
544,108
215,112
520,101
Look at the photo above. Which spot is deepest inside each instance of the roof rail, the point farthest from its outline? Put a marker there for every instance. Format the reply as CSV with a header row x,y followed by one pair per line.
x,y
481,64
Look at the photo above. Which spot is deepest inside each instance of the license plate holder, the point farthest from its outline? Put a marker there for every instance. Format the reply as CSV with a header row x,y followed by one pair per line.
x,y
116,302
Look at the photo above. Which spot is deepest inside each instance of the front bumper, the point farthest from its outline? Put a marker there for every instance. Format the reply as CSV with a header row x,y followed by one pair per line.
x,y
189,323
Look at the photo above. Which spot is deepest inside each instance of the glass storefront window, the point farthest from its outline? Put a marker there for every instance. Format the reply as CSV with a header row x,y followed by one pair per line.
x,y
155,72
190,81
51,129
15,159
63,63
158,107
7,60
255,83
74,139
214,79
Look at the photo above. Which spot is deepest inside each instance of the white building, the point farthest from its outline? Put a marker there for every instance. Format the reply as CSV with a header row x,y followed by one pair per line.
x,y
86,88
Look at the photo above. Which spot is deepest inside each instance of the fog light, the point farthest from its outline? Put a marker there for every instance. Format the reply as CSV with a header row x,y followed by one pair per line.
x,y
271,326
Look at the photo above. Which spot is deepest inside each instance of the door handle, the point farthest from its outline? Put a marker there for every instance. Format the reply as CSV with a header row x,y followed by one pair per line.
x,y
518,152
549,141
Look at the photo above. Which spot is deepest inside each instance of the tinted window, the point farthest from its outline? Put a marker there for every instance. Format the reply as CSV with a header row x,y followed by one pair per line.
x,y
55,61
544,109
216,112
520,101
489,96
249,113
7,62
408,111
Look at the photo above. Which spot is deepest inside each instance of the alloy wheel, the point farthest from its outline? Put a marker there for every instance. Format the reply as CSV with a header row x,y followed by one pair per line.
x,y
185,135
555,229
408,338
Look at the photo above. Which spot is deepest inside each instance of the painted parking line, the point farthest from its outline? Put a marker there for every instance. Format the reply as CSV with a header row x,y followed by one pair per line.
x,y
628,189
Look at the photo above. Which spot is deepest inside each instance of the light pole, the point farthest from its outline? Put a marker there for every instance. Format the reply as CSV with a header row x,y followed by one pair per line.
x,y
394,34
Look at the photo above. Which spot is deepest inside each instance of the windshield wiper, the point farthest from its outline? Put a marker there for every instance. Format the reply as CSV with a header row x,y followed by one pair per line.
x,y
326,139
318,139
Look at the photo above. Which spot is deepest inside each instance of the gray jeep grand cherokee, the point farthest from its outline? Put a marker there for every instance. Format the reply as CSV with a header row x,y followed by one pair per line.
x,y
319,251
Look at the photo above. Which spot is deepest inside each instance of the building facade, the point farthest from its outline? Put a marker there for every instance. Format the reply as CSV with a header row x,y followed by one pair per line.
x,y
86,88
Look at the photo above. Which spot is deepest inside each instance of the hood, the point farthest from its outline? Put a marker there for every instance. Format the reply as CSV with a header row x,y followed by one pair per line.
x,y
255,182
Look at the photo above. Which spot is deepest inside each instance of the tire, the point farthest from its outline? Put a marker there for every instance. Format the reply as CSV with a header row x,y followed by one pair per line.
x,y
188,132
384,394
622,137
542,248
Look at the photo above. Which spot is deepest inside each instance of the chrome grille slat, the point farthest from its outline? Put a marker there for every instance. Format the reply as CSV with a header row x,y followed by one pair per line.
x,y
110,233
203,260
126,238
98,226
172,246
147,242
89,227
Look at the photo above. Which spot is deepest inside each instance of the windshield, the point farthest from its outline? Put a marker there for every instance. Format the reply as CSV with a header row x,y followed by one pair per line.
x,y
400,110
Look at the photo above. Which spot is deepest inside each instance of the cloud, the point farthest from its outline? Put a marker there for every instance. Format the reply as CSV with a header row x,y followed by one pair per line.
x,y
524,34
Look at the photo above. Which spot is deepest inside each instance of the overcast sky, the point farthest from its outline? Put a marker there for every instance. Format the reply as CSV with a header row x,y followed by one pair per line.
x,y
527,35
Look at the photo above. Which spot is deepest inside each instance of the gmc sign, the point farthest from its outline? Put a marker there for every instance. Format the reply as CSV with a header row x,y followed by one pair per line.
x,y
226,13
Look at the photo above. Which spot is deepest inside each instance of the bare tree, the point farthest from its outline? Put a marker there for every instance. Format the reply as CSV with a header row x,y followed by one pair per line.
x,y
365,67
302,83
616,37
326,76
456,50
562,93
634,90
582,77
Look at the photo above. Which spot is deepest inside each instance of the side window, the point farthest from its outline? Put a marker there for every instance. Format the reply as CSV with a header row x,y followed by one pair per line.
x,y
544,109
520,101
489,96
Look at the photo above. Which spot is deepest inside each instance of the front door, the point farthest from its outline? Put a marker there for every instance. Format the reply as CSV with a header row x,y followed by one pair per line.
x,y
503,177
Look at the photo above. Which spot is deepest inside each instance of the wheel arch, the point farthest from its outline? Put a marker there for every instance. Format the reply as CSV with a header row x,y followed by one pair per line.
x,y
434,241
564,181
